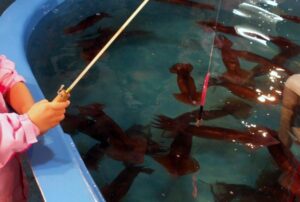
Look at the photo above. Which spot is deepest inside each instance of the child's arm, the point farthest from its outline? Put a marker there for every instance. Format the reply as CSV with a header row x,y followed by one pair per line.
x,y
18,132
19,98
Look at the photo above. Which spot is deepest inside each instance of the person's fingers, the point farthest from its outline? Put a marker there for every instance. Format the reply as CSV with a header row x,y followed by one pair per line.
x,y
57,119
60,105
60,118
43,101
58,112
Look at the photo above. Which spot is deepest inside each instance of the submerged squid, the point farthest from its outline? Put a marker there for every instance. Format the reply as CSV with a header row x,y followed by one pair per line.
x,y
210,26
249,93
254,139
86,23
118,145
188,92
188,3
234,74
289,165
234,107
94,155
293,18
117,189
238,192
91,45
178,161
231,58
288,49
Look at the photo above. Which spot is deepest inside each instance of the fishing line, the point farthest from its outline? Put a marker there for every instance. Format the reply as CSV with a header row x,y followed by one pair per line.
x,y
63,95
207,76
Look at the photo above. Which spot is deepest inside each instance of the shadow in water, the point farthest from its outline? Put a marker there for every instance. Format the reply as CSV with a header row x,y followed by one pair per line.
x,y
4,4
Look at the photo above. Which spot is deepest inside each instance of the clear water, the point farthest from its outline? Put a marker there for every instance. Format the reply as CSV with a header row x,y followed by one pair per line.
x,y
133,81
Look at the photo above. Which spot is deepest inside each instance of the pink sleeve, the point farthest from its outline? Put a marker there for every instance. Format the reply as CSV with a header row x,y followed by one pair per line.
x,y
8,74
17,133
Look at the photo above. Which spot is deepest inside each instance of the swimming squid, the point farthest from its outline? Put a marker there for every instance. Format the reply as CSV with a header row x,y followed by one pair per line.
x,y
87,22
118,188
188,92
192,4
178,161
254,139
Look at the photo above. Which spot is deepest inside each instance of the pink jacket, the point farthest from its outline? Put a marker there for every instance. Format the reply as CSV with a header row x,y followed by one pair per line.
x,y
17,133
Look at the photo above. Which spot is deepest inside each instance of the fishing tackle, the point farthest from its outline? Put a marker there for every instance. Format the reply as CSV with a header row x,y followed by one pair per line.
x,y
203,99
63,94
199,118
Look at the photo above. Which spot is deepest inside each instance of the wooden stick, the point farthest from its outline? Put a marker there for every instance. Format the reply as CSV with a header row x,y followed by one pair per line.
x,y
64,95
87,68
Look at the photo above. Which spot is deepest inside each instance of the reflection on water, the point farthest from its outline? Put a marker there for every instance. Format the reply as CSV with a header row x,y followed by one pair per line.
x,y
133,115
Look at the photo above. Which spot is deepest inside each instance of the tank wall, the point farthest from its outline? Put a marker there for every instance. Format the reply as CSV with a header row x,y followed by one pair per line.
x,y
56,163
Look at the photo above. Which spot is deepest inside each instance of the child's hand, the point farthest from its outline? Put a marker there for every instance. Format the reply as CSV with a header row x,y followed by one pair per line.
x,y
46,115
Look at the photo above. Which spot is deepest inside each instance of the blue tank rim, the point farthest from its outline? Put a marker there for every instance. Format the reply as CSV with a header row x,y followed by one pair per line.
x,y
55,161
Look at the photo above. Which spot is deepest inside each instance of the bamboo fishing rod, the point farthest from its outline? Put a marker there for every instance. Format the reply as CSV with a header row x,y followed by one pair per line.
x,y
62,94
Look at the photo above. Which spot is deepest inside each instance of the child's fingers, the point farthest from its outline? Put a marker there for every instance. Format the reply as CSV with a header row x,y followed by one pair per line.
x,y
43,101
60,105
58,119
58,112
